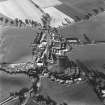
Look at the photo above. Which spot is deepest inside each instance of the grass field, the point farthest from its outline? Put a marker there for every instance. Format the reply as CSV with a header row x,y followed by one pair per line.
x,y
18,50
80,8
75,95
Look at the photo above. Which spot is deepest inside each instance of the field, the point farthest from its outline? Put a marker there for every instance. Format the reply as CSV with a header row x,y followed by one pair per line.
x,y
75,95
80,8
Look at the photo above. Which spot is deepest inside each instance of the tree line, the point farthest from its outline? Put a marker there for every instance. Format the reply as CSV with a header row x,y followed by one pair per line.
x,y
87,16
18,22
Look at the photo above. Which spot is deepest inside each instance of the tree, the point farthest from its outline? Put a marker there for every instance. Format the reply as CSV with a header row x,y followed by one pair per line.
x,y
6,20
12,22
96,11
35,23
78,18
26,21
67,20
86,17
1,18
16,20
89,14
102,9
64,103
32,23
20,22
86,38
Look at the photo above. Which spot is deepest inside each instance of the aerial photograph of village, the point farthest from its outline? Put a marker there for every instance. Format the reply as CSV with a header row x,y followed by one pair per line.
x,y
52,52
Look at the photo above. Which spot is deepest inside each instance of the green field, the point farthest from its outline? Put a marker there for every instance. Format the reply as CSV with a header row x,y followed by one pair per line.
x,y
80,8
75,95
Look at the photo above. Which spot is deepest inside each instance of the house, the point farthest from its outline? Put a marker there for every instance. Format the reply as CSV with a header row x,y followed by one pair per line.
x,y
73,40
